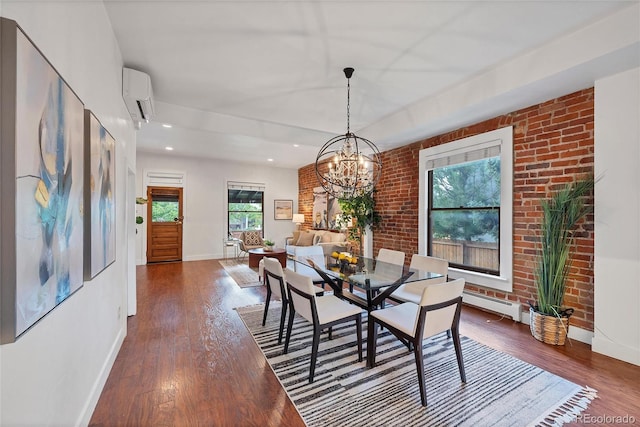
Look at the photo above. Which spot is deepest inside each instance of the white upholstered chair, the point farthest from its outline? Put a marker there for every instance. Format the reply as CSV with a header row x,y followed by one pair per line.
x,y
323,312
412,291
438,311
391,256
274,278
316,255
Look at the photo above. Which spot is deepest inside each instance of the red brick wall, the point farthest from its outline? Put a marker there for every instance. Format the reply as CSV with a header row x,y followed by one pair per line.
x,y
553,142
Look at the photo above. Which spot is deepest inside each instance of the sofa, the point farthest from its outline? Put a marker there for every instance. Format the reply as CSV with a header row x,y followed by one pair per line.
x,y
329,241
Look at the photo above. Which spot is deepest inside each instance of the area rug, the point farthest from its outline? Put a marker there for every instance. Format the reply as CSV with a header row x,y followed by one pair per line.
x,y
500,390
241,273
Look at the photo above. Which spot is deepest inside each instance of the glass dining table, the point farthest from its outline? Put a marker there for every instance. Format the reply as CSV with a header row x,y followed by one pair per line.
x,y
376,280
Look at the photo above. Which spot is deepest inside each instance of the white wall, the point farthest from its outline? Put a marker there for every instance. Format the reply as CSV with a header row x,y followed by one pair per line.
x,y
205,197
617,210
54,373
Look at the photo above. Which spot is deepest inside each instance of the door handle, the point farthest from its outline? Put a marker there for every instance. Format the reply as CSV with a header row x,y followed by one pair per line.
x,y
178,220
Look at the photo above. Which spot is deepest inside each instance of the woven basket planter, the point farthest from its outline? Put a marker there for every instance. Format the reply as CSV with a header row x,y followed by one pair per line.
x,y
548,329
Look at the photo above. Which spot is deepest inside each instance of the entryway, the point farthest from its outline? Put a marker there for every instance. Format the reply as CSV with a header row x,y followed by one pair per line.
x,y
164,224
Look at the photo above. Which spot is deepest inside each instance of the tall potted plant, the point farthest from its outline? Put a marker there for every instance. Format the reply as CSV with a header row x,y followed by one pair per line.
x,y
359,210
549,319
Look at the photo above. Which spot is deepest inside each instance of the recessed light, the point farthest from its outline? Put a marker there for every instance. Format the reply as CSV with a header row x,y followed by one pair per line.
x,y
166,125
269,160
168,148
296,145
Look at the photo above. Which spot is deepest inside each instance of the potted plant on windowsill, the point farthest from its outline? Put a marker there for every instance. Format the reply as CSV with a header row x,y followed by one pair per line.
x,y
549,319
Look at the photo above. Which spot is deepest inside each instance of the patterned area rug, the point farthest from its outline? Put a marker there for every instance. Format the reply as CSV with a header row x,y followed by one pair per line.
x,y
240,272
500,390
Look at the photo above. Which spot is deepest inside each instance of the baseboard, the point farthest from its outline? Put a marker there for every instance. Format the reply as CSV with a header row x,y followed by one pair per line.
x,y
506,307
202,257
101,380
616,350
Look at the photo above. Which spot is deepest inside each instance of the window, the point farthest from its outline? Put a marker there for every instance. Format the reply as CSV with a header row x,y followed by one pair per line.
x,y
465,207
164,210
245,206
464,214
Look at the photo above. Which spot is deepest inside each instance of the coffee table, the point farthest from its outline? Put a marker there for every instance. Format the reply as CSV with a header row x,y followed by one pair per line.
x,y
255,255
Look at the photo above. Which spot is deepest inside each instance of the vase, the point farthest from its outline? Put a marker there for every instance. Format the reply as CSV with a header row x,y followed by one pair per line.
x,y
548,329
268,248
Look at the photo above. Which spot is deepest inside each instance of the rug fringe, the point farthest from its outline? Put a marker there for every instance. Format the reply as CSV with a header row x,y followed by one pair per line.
x,y
255,307
569,409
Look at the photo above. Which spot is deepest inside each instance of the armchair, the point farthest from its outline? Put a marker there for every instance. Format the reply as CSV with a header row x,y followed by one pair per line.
x,y
249,240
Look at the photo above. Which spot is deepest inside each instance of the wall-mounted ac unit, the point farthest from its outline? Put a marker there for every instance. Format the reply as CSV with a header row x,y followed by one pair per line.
x,y
138,95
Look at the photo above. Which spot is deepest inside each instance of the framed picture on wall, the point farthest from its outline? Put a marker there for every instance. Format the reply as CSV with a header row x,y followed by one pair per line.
x,y
99,197
319,208
334,212
283,209
42,171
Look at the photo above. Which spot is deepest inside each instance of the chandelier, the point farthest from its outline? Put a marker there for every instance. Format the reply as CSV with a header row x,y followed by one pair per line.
x,y
348,165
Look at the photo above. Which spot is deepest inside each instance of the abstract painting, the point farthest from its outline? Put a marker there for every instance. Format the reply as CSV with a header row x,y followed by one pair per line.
x,y
334,211
100,237
43,201
319,208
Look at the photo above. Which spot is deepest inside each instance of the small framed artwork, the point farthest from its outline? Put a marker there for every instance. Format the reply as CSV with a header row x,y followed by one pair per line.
x,y
99,197
283,209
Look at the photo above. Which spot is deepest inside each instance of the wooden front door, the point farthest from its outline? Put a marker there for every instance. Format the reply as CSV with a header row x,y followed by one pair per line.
x,y
164,224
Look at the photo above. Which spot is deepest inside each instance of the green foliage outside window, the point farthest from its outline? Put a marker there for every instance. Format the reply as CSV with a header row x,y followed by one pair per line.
x,y
464,215
466,201
245,216
164,211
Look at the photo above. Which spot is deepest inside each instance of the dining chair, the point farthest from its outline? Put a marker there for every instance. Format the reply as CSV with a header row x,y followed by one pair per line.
x,y
391,256
412,291
304,266
438,311
323,312
274,278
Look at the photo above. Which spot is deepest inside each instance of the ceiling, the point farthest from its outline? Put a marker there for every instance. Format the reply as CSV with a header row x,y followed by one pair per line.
x,y
246,80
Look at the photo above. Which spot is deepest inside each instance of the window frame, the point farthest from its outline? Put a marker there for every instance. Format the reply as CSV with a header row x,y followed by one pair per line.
x,y
244,186
504,139
431,209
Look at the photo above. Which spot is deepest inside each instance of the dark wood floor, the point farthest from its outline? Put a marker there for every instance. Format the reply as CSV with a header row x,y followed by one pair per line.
x,y
188,359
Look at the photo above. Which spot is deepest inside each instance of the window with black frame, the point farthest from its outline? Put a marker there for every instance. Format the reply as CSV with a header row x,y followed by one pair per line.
x,y
245,207
464,214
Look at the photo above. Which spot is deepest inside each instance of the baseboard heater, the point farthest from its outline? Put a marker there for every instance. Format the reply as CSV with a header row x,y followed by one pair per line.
x,y
508,308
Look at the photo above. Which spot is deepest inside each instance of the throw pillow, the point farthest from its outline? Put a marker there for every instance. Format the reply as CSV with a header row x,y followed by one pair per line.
x,y
338,237
294,239
305,239
252,239
326,238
